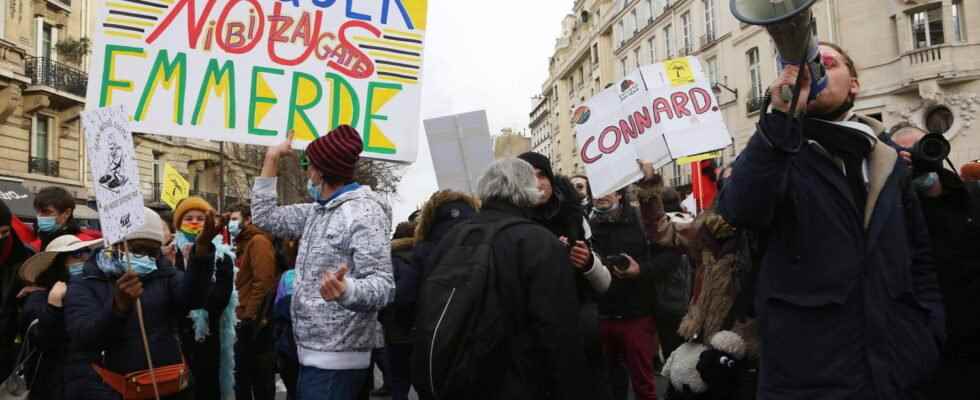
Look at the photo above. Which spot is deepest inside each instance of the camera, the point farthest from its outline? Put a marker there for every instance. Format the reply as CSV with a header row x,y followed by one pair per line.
x,y
929,153
618,261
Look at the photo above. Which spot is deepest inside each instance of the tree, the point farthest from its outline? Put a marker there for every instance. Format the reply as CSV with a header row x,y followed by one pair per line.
x,y
382,176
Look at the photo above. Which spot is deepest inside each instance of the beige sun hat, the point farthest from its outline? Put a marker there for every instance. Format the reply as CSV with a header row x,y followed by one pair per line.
x,y
40,262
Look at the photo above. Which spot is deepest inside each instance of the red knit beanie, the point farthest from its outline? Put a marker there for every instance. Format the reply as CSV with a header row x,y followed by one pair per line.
x,y
335,153
970,171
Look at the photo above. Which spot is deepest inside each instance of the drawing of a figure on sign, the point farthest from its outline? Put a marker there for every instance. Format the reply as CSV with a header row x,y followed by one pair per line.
x,y
113,179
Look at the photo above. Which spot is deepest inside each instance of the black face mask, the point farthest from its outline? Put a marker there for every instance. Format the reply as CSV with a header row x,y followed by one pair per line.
x,y
837,113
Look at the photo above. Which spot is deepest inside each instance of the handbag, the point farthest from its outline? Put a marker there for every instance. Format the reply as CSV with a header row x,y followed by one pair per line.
x,y
14,387
171,379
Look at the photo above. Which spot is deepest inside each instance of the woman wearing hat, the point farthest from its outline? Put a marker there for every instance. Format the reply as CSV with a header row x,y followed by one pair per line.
x,y
44,277
101,317
209,335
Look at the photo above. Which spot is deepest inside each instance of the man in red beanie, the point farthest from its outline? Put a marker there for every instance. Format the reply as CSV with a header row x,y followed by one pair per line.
x,y
343,269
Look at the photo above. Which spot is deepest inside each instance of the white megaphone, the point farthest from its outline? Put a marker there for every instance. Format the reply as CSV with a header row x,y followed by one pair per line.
x,y
789,24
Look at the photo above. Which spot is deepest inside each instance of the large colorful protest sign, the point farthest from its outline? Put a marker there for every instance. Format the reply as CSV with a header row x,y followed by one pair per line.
x,y
109,145
658,113
248,71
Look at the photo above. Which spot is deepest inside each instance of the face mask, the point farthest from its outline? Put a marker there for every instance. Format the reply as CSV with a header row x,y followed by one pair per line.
x,y
143,265
184,240
109,265
76,268
925,182
192,228
312,190
234,227
47,224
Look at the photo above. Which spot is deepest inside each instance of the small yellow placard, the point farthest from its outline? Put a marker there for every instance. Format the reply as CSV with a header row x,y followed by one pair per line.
x,y
698,157
175,187
679,72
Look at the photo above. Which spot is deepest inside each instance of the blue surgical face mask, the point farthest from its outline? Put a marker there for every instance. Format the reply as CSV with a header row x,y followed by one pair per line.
x,y
47,224
143,265
313,190
925,182
235,227
76,268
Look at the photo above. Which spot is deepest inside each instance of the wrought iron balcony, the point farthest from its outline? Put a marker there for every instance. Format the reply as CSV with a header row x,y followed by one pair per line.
x,y
210,197
753,104
44,166
47,72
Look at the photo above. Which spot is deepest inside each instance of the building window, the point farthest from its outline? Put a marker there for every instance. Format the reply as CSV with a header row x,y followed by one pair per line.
x,y
755,77
41,137
709,21
636,57
713,70
3,17
595,54
157,176
651,10
927,27
622,66
667,45
958,21
939,120
622,33
636,22
653,49
686,33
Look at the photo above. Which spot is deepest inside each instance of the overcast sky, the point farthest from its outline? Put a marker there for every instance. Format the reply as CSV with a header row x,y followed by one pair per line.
x,y
490,55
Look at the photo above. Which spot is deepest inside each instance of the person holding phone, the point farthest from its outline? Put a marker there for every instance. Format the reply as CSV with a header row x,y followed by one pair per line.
x,y
626,310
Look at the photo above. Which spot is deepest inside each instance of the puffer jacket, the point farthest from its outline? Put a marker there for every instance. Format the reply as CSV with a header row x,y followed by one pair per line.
x,y
351,229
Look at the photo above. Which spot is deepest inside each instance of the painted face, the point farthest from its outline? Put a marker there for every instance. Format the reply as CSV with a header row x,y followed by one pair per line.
x,y
840,84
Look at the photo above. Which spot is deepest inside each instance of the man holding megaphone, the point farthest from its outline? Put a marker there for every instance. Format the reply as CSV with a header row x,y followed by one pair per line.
x,y
847,298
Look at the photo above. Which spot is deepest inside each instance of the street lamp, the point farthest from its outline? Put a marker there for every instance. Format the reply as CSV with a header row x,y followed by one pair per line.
x,y
717,86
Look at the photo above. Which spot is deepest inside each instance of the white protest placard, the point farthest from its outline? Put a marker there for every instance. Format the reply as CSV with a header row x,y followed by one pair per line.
x,y
250,71
109,145
658,113
461,149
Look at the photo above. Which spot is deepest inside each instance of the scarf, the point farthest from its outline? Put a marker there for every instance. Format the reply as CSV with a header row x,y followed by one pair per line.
x,y
852,148
199,317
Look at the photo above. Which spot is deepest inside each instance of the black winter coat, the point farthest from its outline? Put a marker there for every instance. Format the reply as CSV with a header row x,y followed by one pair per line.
x,y
617,234
954,226
94,328
848,303
10,286
542,357
50,339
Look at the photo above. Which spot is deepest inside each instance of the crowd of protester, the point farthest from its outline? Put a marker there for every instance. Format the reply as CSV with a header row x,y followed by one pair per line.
x,y
832,265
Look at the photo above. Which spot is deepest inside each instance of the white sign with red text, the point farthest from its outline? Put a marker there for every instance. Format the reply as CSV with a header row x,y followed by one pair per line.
x,y
658,113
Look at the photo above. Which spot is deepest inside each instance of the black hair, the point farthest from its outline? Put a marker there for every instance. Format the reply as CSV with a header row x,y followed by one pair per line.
x,y
242,208
55,197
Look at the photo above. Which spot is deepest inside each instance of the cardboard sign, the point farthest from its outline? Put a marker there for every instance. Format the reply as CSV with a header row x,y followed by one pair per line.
x,y
175,187
658,113
250,71
109,144
461,149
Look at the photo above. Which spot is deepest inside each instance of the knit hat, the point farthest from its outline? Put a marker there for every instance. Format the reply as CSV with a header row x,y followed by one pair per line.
x,y
970,171
335,153
152,228
539,161
189,204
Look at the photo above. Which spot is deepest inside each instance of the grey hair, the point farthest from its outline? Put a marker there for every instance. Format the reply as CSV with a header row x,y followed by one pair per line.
x,y
510,180
906,130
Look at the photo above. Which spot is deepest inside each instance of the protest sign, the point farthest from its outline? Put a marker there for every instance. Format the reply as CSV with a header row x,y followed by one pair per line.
x,y
175,187
461,149
109,145
658,113
250,71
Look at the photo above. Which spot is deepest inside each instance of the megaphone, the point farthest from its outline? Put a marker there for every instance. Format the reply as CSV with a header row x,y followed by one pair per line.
x,y
789,24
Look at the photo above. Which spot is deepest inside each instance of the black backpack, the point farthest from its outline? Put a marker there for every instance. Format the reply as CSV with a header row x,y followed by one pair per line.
x,y
461,318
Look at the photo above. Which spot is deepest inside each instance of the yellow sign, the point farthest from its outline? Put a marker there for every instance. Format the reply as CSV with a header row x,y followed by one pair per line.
x,y
679,72
698,157
175,187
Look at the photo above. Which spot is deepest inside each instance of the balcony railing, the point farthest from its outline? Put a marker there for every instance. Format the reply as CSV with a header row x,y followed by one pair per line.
x,y
210,197
753,104
927,55
47,72
43,166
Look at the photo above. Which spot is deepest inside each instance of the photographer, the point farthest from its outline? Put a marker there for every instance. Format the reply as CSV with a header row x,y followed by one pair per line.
x,y
625,311
951,208
847,298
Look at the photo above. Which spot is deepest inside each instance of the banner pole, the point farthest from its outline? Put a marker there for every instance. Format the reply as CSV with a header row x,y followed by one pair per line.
x,y
139,315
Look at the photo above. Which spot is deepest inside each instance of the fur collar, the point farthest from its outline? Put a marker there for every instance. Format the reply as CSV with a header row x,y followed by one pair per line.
x,y
427,217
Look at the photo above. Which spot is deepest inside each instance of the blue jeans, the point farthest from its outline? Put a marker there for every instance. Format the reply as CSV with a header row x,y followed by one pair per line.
x,y
325,384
